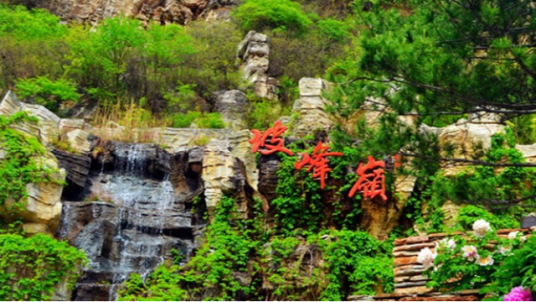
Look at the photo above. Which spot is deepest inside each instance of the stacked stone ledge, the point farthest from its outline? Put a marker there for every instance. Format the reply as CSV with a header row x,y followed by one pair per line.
x,y
410,284
408,272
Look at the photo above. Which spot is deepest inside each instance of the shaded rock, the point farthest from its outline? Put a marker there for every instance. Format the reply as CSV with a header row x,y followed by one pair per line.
x,y
268,179
31,229
77,167
528,221
233,106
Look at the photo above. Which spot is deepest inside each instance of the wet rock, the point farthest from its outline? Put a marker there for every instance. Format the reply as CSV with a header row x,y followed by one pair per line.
x,y
77,167
268,179
137,209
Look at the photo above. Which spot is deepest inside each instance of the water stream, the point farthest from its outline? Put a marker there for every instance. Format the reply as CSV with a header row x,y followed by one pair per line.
x,y
136,221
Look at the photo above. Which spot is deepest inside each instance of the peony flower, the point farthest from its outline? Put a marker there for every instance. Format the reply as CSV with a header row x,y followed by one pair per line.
x,y
518,294
448,243
481,227
513,235
505,249
426,257
485,261
470,252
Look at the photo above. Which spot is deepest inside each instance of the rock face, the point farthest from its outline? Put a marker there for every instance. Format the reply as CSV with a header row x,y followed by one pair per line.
x,y
133,210
160,11
43,204
233,106
309,110
253,52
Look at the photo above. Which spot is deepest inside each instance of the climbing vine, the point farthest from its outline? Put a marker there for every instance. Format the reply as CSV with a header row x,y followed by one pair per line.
x,y
18,166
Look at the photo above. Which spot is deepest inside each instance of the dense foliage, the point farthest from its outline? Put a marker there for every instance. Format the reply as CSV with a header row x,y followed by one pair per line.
x,y
238,257
32,268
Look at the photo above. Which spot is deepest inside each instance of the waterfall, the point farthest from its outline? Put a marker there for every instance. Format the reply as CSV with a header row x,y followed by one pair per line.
x,y
141,205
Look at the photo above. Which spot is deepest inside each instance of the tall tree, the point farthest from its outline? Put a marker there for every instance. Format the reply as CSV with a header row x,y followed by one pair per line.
x,y
441,58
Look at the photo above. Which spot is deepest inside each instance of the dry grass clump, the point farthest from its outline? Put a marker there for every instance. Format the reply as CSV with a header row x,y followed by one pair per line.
x,y
128,123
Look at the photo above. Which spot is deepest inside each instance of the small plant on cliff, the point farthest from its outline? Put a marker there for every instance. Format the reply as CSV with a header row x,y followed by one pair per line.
x,y
46,92
32,268
18,165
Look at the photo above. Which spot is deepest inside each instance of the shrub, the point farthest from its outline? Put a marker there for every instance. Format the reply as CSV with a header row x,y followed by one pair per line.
x,y
50,94
282,15
517,270
185,120
31,268
210,121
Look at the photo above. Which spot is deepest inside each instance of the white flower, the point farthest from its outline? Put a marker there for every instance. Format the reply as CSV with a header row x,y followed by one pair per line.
x,y
448,243
470,252
505,249
426,257
513,235
484,261
481,227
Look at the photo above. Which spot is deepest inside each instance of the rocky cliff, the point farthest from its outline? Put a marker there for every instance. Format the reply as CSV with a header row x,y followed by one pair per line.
x,y
161,11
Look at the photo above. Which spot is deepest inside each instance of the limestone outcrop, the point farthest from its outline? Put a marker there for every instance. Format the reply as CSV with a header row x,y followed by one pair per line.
x,y
253,53
233,106
309,111
42,206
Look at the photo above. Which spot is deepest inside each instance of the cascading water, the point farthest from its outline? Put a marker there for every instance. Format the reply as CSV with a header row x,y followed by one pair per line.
x,y
140,216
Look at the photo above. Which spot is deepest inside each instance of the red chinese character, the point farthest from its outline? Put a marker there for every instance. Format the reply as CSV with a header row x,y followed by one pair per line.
x,y
372,183
319,162
273,145
397,161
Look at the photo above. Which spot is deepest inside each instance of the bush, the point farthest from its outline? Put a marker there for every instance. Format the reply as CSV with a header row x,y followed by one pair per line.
x,y
31,268
185,120
50,94
469,214
281,15
210,121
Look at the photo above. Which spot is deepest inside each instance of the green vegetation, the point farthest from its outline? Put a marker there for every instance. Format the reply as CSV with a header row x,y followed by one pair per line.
x,y
278,15
430,62
173,69
47,93
238,254
18,166
32,268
